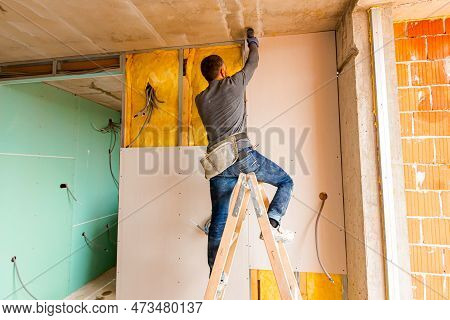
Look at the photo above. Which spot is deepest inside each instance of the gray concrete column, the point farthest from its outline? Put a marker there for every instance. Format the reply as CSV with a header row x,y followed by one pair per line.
x,y
364,237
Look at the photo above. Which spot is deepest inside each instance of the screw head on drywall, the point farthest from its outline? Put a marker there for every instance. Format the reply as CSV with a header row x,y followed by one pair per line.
x,y
323,196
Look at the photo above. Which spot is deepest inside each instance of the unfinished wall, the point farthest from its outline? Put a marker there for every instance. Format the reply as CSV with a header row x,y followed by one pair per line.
x,y
282,106
47,139
364,240
423,71
161,69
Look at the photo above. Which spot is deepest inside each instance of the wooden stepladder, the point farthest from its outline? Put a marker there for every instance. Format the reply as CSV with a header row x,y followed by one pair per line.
x,y
247,187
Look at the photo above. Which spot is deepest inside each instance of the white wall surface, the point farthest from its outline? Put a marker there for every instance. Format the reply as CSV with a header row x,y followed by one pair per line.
x,y
162,255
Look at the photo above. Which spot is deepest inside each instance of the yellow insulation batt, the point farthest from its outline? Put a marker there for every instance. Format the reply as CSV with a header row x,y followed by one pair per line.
x,y
313,286
194,133
160,69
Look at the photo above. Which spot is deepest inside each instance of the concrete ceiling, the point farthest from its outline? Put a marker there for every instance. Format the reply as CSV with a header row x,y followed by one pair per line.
x,y
41,29
421,9
411,9
106,91
37,29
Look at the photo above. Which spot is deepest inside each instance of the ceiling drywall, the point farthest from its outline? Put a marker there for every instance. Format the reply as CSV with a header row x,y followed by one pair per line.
x,y
37,29
106,91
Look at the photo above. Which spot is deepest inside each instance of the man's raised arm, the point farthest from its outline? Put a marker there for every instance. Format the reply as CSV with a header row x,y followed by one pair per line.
x,y
252,60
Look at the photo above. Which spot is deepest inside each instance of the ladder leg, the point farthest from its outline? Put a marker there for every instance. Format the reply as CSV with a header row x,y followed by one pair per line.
x,y
230,257
236,202
293,284
269,241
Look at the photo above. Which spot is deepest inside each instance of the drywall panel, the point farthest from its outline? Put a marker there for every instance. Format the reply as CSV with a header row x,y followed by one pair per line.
x,y
293,116
94,184
163,196
89,258
41,113
48,139
36,220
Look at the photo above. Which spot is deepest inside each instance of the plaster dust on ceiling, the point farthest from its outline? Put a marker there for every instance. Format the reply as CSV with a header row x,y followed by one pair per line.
x,y
106,91
38,29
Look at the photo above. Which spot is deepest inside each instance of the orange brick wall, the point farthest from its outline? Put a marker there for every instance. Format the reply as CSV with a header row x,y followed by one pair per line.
x,y
422,50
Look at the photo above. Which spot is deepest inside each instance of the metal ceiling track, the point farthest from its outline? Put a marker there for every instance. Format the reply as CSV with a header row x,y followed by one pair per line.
x,y
61,69
78,67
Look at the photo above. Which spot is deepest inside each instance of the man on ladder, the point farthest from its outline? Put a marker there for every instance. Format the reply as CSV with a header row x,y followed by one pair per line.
x,y
222,109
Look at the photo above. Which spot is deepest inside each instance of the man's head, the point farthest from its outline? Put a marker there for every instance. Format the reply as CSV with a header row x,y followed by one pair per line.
x,y
213,68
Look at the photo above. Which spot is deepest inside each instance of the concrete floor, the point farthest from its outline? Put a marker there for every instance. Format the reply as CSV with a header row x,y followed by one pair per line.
x,y
101,288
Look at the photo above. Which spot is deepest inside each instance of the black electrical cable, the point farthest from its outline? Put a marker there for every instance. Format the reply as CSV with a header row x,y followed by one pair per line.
x,y
112,145
151,103
148,113
109,235
92,245
69,193
16,269
112,128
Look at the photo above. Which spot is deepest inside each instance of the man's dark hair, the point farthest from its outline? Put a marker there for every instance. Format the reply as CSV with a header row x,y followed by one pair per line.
x,y
211,66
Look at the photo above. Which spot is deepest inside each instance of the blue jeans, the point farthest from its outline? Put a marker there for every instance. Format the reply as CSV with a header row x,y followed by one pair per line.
x,y
221,187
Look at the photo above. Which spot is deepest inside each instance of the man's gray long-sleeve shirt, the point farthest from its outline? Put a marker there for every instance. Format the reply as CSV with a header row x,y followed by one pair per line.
x,y
221,105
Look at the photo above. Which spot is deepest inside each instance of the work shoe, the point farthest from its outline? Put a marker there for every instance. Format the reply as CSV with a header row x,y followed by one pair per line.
x,y
281,235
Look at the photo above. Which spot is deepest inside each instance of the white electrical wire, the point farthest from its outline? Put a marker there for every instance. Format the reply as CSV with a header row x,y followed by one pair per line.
x,y
323,197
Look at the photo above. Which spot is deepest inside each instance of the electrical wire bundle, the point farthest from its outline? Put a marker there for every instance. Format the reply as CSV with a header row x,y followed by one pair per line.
x,y
93,246
113,129
151,103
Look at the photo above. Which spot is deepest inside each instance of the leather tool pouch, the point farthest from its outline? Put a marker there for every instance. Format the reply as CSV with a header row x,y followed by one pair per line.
x,y
220,157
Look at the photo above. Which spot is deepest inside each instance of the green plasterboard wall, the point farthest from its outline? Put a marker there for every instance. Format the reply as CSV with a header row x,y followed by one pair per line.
x,y
47,139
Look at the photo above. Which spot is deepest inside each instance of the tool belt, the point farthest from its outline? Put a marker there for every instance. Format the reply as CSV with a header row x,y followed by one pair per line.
x,y
221,155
